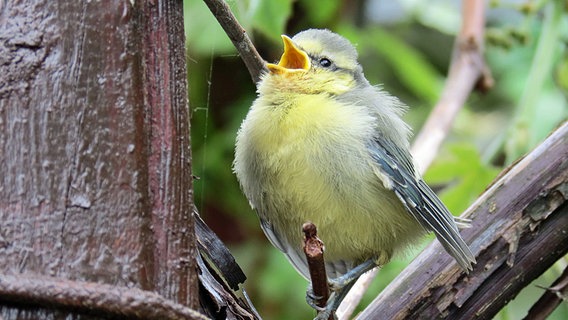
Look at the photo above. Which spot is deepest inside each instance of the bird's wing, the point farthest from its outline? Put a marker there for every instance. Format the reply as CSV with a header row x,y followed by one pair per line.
x,y
421,202
294,256
297,257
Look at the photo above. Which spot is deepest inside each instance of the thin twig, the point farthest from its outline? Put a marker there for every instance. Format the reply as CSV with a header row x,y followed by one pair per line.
x,y
351,301
467,71
313,249
238,35
551,298
91,298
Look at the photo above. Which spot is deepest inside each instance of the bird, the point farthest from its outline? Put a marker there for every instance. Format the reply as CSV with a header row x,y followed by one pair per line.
x,y
321,144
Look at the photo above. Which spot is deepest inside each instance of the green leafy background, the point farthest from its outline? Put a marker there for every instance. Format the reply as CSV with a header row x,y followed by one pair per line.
x,y
406,47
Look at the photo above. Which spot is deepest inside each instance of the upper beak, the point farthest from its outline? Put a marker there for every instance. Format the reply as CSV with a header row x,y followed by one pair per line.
x,y
292,59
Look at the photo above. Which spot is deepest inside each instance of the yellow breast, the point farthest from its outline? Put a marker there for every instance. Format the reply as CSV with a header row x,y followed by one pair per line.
x,y
304,158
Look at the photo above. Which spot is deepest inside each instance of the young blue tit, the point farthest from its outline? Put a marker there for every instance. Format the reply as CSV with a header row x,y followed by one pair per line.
x,y
321,144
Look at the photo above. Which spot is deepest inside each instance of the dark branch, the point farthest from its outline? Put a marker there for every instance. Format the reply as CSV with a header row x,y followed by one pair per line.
x,y
519,230
213,248
220,276
551,298
91,298
217,299
238,35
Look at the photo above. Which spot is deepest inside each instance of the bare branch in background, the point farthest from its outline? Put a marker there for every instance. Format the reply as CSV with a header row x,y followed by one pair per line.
x,y
468,71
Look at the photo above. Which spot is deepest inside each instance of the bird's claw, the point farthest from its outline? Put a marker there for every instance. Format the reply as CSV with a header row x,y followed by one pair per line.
x,y
327,312
336,284
324,313
325,316
312,298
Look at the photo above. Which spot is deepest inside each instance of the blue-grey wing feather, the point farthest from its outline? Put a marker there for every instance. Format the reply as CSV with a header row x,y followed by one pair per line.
x,y
420,201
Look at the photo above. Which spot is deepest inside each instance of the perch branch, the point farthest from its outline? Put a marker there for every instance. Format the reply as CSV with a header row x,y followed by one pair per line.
x,y
313,249
520,228
238,35
467,71
91,298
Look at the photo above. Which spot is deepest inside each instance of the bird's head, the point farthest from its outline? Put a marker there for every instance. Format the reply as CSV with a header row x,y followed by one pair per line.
x,y
317,61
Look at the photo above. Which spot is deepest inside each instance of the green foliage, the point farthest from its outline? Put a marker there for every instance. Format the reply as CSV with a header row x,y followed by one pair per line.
x,y
561,74
320,13
409,57
411,67
536,115
206,35
463,171
269,17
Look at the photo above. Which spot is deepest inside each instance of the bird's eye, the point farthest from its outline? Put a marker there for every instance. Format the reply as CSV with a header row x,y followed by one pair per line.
x,y
325,62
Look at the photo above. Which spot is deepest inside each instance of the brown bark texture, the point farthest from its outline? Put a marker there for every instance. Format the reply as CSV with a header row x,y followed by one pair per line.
x,y
94,148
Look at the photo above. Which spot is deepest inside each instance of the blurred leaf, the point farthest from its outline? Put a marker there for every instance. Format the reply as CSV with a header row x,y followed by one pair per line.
x,y
551,109
561,74
205,35
281,283
523,134
203,32
212,161
410,66
464,172
320,12
269,17
444,16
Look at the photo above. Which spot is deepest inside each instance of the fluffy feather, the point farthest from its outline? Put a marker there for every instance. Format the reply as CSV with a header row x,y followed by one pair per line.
x,y
323,145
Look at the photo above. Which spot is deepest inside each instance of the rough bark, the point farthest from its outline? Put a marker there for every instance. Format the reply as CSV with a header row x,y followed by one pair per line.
x,y
166,121
94,147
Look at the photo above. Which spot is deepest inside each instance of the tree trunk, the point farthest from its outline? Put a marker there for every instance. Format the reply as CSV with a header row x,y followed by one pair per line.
x,y
94,148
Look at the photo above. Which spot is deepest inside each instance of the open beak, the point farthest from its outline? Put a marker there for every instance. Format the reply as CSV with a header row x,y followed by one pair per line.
x,y
293,59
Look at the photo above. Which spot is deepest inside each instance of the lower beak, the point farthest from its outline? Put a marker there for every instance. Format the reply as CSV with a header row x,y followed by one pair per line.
x,y
293,59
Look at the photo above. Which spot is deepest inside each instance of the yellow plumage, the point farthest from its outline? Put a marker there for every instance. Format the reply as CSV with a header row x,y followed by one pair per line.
x,y
314,169
321,144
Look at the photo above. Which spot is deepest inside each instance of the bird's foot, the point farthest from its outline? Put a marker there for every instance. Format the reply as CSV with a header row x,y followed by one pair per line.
x,y
338,291
327,312
337,284
339,287
312,299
